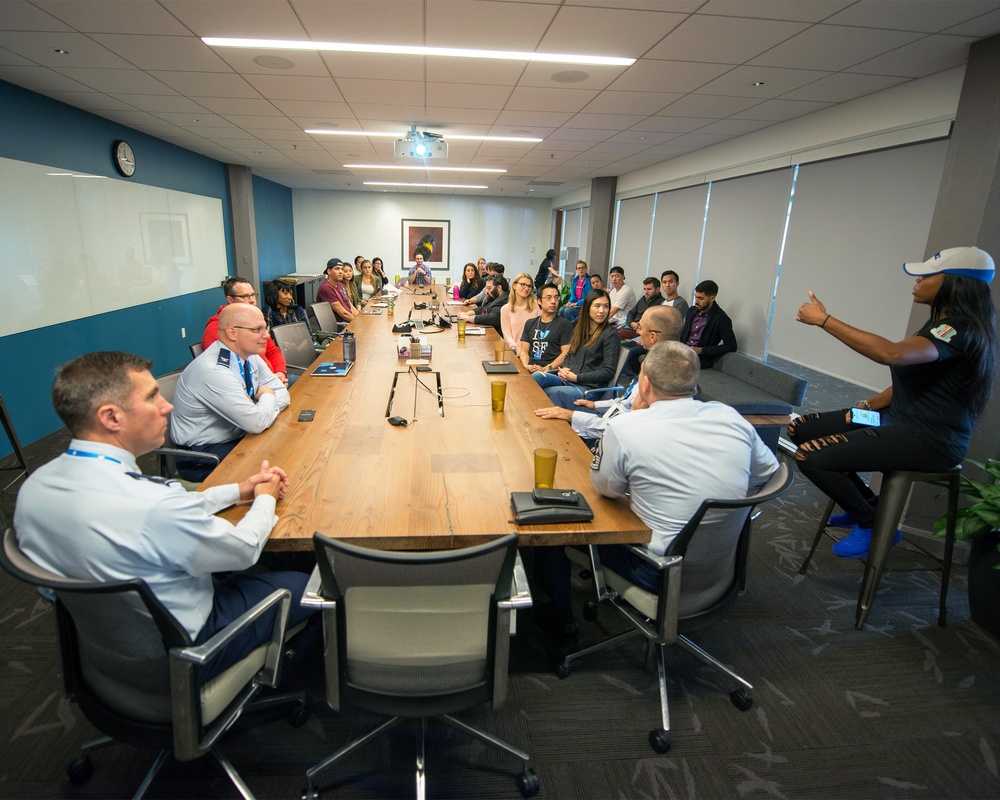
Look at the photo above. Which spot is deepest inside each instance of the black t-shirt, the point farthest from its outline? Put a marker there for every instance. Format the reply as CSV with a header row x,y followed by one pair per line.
x,y
546,339
932,395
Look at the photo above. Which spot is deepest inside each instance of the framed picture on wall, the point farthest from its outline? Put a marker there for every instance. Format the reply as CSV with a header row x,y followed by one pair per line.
x,y
431,237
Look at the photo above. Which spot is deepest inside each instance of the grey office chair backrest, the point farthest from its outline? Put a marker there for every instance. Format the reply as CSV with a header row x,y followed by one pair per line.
x,y
118,649
416,625
324,316
711,546
296,344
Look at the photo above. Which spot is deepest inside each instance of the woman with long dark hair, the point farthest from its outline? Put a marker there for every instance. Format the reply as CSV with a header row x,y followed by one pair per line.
x,y
593,354
942,378
472,282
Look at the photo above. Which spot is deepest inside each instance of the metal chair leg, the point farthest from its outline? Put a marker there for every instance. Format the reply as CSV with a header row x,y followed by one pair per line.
x,y
823,520
954,484
895,489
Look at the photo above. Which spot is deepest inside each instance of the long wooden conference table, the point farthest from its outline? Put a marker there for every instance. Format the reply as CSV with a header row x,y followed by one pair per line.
x,y
442,482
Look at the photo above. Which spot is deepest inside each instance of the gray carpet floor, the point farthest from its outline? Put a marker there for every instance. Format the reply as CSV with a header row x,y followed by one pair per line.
x,y
901,709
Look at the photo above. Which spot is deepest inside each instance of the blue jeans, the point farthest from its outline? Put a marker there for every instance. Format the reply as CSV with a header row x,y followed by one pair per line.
x,y
570,312
560,393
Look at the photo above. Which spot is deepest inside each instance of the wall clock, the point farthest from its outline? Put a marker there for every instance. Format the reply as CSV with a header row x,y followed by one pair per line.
x,y
124,158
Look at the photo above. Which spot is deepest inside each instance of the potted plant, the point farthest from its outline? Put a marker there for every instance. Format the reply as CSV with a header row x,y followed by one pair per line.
x,y
980,522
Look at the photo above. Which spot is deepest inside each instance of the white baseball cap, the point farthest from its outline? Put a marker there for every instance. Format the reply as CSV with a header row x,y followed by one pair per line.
x,y
970,262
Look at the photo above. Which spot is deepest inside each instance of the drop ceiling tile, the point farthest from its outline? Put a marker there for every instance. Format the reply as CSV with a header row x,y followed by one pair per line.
x,y
42,79
163,52
672,124
924,17
833,47
781,110
521,130
467,95
649,75
159,103
41,47
549,119
576,76
843,86
239,105
531,99
981,26
739,81
607,31
9,59
812,11
711,106
295,62
723,40
512,26
646,138
361,21
133,119
382,92
697,140
113,16
295,87
373,66
305,110
399,114
735,127
208,84
610,122
631,103
262,124
618,147
274,19
118,81
577,135
19,15
93,101
200,123
471,70
449,117
925,57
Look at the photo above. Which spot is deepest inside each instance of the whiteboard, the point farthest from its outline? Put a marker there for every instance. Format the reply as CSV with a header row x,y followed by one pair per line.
x,y
76,245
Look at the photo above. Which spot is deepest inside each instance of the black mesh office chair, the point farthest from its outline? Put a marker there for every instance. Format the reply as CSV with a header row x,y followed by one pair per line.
x,y
418,635
134,672
296,345
702,573
167,455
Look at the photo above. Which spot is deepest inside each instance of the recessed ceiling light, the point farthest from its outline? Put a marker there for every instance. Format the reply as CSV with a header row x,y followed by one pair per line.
x,y
61,52
439,169
570,76
408,50
426,185
447,136
273,62
757,83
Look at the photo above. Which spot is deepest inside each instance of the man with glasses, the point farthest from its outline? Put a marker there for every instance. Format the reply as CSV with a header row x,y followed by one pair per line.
x,y
659,324
227,391
239,290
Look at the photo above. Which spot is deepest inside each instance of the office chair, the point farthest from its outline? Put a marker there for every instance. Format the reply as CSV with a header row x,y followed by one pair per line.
x,y
702,573
15,443
196,349
610,391
167,455
296,345
329,326
134,672
418,635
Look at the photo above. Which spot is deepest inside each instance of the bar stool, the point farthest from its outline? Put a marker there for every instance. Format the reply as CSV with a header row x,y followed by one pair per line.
x,y
895,489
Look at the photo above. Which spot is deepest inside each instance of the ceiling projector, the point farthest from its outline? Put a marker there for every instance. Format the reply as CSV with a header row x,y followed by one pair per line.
x,y
421,147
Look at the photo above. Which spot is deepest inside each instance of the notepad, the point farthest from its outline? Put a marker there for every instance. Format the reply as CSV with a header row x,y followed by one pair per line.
x,y
470,331
337,369
372,311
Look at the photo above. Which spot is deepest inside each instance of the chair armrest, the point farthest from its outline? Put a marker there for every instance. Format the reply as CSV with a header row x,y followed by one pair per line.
x,y
520,591
660,563
181,453
203,653
312,597
612,390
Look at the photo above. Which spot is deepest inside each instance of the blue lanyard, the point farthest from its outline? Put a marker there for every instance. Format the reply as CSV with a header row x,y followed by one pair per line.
x,y
86,454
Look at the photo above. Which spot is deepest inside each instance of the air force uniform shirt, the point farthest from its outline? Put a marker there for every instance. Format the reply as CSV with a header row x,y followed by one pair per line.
x,y
592,426
211,400
675,454
90,514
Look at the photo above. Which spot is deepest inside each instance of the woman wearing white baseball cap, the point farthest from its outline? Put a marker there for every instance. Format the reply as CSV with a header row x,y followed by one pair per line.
x,y
942,378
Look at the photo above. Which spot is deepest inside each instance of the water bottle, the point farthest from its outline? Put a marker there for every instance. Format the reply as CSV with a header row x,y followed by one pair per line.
x,y
350,346
454,292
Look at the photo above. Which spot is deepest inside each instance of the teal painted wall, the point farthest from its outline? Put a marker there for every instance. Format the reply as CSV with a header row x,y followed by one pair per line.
x,y
39,130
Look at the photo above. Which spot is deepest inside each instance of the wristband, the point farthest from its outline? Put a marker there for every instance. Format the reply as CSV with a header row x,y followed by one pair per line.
x,y
823,326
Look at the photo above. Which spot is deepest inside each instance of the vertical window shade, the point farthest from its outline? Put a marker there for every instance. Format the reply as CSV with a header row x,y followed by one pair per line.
x,y
854,222
677,230
635,223
746,222
584,232
571,232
